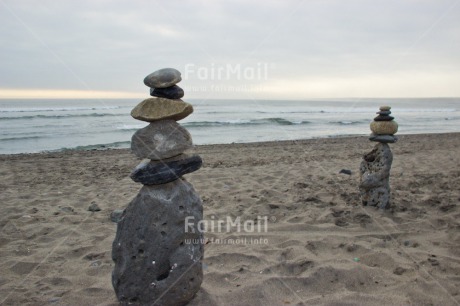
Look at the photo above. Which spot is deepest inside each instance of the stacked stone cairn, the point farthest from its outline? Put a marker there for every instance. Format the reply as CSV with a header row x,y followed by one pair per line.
x,y
157,260
375,167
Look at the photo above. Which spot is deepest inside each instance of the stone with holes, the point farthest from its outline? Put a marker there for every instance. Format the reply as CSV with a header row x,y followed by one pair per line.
x,y
160,140
375,169
158,249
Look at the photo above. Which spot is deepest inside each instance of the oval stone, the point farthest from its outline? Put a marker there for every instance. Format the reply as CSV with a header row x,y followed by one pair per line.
x,y
383,118
154,109
160,140
173,92
166,170
163,78
384,127
385,108
383,138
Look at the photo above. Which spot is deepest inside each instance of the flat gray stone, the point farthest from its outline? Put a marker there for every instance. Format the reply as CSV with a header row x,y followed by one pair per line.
x,y
163,78
375,169
165,171
161,140
94,207
158,261
383,138
155,109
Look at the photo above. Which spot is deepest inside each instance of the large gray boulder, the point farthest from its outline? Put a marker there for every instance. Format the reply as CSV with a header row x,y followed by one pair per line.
x,y
161,140
158,261
375,169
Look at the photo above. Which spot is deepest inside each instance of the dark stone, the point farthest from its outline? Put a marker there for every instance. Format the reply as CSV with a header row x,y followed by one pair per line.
x,y
383,118
158,249
163,78
434,262
399,270
116,215
173,92
165,171
94,207
383,138
345,171
384,113
375,169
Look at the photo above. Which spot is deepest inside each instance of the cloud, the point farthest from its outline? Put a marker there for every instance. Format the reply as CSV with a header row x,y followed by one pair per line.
x,y
111,45
399,85
65,94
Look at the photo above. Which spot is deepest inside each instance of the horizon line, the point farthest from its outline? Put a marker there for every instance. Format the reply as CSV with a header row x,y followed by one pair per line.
x,y
223,99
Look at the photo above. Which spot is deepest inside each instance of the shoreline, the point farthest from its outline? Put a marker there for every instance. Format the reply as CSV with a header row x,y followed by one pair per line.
x,y
305,140
320,242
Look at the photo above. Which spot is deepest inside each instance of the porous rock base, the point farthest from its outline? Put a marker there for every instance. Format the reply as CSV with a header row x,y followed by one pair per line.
x,y
156,260
375,169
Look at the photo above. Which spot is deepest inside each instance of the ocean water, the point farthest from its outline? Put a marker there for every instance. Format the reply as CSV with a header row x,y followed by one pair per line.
x,y
28,126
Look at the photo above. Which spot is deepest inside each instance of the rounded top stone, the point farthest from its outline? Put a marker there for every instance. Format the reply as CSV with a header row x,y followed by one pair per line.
x,y
384,127
385,108
163,78
155,109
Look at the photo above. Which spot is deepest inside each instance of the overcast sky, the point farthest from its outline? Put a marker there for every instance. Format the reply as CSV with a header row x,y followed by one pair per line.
x,y
231,49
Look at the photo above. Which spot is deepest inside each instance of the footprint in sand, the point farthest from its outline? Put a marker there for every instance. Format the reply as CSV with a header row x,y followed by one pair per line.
x,y
23,267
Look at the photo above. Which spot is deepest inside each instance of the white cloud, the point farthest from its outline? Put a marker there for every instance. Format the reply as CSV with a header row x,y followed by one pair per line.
x,y
65,94
112,45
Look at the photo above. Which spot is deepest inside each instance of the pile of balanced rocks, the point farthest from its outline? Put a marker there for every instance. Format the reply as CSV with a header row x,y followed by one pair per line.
x,y
384,127
157,259
375,167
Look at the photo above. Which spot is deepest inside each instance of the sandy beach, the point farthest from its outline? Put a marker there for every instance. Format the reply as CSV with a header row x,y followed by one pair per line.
x,y
321,247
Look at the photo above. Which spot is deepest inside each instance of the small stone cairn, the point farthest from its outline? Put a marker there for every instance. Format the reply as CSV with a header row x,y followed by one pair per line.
x,y
375,167
158,261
